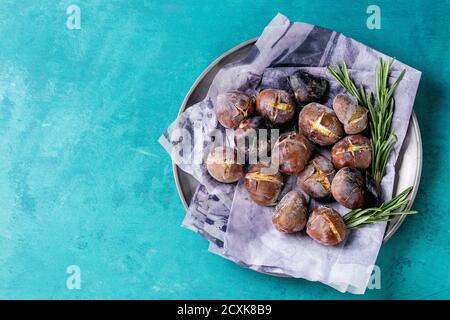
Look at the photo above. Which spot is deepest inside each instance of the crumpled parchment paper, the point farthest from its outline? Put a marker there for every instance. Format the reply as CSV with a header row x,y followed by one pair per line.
x,y
240,230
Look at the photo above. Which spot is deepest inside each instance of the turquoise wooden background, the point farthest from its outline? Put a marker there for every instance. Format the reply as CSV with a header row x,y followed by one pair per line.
x,y
84,182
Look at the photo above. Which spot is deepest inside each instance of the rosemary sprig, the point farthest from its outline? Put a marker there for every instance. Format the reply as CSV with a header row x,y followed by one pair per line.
x,y
381,110
384,212
343,77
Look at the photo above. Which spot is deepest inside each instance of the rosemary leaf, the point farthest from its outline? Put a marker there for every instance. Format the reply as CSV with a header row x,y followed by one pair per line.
x,y
384,212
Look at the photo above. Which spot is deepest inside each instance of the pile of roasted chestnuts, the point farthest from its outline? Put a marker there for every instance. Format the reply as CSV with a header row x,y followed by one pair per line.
x,y
341,177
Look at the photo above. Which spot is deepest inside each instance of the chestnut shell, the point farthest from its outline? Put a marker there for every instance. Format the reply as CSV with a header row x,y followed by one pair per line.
x,y
291,152
353,116
232,107
306,87
316,179
320,124
291,213
347,188
353,151
263,184
326,226
275,105
222,165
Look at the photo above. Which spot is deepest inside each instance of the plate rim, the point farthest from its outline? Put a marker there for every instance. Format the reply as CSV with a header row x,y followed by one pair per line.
x,y
389,232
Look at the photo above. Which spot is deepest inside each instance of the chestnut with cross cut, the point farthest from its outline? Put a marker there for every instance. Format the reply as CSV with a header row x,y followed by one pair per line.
x,y
353,151
263,184
222,165
326,226
316,179
275,105
291,152
320,124
232,107
291,213
350,113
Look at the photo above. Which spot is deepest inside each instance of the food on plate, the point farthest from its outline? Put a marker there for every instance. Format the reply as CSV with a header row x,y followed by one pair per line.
x,y
326,226
275,105
291,213
232,107
344,177
347,188
263,184
316,179
353,151
306,87
251,139
350,113
320,124
291,152
223,166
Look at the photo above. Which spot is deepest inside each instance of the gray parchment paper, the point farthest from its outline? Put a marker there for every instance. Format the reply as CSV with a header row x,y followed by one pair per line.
x,y
245,234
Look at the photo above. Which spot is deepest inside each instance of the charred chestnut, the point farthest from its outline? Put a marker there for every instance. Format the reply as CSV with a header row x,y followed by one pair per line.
x,y
306,87
291,213
347,188
249,139
353,151
263,184
316,179
326,226
291,152
353,116
372,192
275,105
320,124
232,107
222,165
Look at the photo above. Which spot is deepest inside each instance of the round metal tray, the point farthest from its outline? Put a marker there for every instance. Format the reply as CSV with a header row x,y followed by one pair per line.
x,y
408,167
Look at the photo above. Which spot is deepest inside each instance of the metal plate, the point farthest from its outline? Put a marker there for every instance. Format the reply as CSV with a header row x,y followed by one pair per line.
x,y
409,163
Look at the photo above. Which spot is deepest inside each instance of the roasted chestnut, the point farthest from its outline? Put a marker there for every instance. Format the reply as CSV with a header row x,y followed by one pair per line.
x,y
320,124
275,105
250,140
372,191
347,188
350,113
291,152
263,184
232,107
352,151
222,165
291,213
326,226
316,179
306,87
